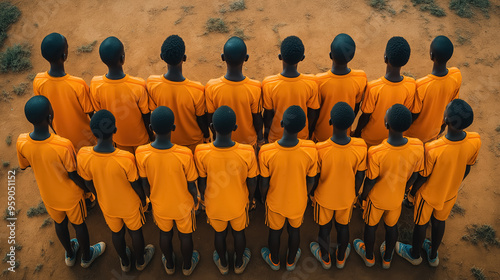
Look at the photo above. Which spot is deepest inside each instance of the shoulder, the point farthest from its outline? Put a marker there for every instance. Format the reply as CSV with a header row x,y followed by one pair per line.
x,y
125,155
270,79
375,83
196,85
454,71
136,81
375,150
435,144
184,151
358,142
474,137
409,81
40,78
308,145
202,149
268,147
424,80
61,141
214,82
85,152
416,144
358,73
142,149
322,76
76,80
323,145
154,79
246,150
97,79
21,140
254,83
309,78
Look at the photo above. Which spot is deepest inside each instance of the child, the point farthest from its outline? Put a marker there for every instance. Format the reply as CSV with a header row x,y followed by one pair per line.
x,y
436,90
289,88
185,98
447,162
342,161
168,176
124,96
228,177
338,84
53,161
69,95
382,93
392,168
288,167
111,174
238,92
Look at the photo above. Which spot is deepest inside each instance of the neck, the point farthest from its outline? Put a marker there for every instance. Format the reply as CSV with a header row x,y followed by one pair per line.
x,y
115,73
162,142
393,74
57,70
223,140
439,69
104,145
454,134
340,69
288,139
290,71
234,73
340,137
396,138
40,132
174,73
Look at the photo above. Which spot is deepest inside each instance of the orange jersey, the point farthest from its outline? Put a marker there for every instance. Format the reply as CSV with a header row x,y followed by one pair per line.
x,y
70,100
332,89
445,163
186,99
435,93
168,172
338,165
380,95
111,174
288,168
279,93
393,166
128,100
51,160
226,170
243,97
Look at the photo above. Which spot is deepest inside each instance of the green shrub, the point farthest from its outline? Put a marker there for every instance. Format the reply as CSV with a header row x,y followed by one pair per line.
x,y
216,25
464,8
15,59
9,14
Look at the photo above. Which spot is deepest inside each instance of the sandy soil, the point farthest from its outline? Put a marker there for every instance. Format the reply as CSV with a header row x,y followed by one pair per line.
x,y
143,27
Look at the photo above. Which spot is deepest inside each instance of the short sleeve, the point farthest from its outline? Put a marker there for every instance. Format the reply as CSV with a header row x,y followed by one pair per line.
x,y
69,158
429,161
414,103
209,100
473,158
362,161
256,105
200,106
420,164
140,160
362,89
23,162
190,169
369,101
202,171
313,166
313,100
94,96
83,95
143,101
263,165
82,168
131,170
373,167
267,101
253,168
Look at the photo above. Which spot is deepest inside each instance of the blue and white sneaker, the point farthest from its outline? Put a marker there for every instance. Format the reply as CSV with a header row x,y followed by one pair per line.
x,y
95,251
359,246
246,259
316,251
129,257
195,258
170,271
427,247
74,245
266,255
224,270
385,264
291,267
404,250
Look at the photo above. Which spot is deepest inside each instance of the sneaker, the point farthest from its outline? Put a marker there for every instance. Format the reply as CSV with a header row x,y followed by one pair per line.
x,y
341,264
246,259
291,267
359,246
266,255
316,251
129,257
95,251
404,250
194,261
224,270
170,271
149,251
74,245
385,264
427,247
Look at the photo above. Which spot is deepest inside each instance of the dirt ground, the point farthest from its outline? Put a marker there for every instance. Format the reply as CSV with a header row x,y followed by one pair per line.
x,y
143,25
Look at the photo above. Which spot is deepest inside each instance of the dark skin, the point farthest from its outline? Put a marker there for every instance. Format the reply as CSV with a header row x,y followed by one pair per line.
x,y
341,69
174,74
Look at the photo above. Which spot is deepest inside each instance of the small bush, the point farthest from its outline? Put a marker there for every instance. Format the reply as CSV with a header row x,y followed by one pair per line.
x,y
9,14
238,5
457,210
481,233
30,77
38,267
20,89
381,5
15,59
216,25
429,6
37,210
86,48
464,8
46,222
477,273
10,214
5,163
240,33
8,140
5,96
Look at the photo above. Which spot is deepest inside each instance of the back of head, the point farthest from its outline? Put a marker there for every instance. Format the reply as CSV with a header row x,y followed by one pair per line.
x,y
397,51
235,51
294,119
53,47
162,120
224,120
102,124
399,118
111,51
459,114
342,115
342,48
173,50
442,49
37,109
292,50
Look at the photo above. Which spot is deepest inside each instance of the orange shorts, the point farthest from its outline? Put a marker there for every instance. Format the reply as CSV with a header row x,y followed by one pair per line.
x,y
185,225
133,223
238,224
323,216
76,215
372,215
423,210
276,221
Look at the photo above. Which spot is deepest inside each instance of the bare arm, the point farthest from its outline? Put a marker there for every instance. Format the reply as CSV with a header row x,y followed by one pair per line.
x,y
312,118
202,186
193,191
414,117
258,122
251,185
90,186
139,191
362,122
78,180
467,170
310,183
369,184
420,180
356,108
316,183
209,121
146,118
203,125
358,181
264,187
268,121
411,181
146,186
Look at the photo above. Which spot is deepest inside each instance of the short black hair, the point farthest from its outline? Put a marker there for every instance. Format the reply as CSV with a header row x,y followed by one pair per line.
x,y
459,114
224,120
342,115
37,109
102,124
399,118
292,50
235,51
162,120
397,51
442,49
111,50
342,48
294,119
53,47
173,50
